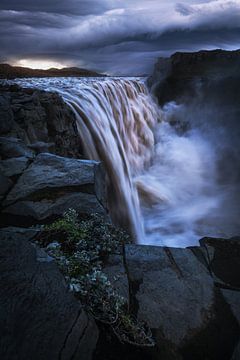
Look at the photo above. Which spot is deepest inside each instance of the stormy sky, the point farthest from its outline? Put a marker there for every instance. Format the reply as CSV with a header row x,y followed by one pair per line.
x,y
122,37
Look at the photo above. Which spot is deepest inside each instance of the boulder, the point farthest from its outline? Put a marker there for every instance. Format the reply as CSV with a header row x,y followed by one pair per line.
x,y
39,317
173,291
53,184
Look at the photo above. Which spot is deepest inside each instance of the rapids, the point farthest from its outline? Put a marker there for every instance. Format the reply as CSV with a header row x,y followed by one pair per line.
x,y
162,176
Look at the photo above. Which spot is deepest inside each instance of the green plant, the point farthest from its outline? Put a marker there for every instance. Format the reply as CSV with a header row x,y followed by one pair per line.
x,y
80,248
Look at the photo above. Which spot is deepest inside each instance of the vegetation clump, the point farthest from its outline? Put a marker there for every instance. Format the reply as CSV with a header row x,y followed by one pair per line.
x,y
81,248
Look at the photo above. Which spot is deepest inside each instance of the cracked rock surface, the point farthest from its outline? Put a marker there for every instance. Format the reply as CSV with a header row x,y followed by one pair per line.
x,y
192,316
48,186
39,317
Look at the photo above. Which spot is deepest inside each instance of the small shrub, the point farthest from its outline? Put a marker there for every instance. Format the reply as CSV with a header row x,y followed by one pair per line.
x,y
80,248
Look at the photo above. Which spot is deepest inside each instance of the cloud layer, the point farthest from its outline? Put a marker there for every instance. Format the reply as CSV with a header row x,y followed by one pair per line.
x,y
115,36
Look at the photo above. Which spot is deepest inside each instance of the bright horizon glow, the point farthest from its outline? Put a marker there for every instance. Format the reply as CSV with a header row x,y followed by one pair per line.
x,y
38,64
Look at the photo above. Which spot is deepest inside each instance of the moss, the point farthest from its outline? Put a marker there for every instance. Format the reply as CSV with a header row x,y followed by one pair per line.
x,y
81,247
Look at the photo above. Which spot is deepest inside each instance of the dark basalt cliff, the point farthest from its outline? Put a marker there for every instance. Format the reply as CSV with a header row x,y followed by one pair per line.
x,y
11,72
40,119
205,87
181,76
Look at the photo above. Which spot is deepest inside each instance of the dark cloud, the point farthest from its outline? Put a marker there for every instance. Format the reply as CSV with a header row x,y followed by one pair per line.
x,y
121,37
75,7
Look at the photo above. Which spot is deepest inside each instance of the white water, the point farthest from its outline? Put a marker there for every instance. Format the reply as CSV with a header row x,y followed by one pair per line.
x,y
163,183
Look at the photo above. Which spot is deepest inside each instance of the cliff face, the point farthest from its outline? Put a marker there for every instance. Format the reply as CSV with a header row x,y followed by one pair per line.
x,y
42,120
205,85
181,76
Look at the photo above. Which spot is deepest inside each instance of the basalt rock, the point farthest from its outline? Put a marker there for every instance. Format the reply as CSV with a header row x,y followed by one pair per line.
x,y
185,76
40,119
50,185
39,317
189,297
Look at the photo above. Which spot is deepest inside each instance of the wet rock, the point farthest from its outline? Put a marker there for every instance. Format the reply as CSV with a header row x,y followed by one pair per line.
x,y
40,147
39,317
11,147
173,291
14,166
223,256
43,209
183,75
39,117
51,185
5,185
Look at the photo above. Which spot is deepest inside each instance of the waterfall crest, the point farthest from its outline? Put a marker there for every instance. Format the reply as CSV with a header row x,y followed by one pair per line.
x,y
115,120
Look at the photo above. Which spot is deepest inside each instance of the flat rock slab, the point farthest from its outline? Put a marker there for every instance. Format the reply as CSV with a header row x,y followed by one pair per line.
x,y
39,317
52,184
52,172
176,295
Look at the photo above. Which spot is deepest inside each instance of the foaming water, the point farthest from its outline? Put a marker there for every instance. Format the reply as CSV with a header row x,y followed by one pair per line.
x,y
163,180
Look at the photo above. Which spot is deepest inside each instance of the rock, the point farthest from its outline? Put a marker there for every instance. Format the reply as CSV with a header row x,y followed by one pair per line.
x,y
175,294
200,92
41,146
43,209
183,74
116,273
5,185
236,354
223,256
53,184
6,115
39,317
11,147
53,172
41,119
14,166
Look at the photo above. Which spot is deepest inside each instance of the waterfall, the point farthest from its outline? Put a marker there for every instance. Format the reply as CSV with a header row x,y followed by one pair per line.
x,y
115,121
162,165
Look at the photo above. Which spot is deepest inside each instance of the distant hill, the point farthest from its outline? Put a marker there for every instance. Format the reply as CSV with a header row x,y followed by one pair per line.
x,y
11,72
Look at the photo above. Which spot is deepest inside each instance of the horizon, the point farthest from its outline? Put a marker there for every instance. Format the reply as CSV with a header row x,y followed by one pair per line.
x,y
113,36
54,66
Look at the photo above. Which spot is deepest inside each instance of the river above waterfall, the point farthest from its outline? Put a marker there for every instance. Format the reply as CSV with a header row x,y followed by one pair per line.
x,y
167,180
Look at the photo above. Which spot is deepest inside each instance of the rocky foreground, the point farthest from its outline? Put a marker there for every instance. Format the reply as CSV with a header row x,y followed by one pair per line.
x,y
188,298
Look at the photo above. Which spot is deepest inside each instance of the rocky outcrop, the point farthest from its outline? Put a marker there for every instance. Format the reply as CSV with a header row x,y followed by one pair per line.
x,y
50,185
40,119
189,297
182,76
39,317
